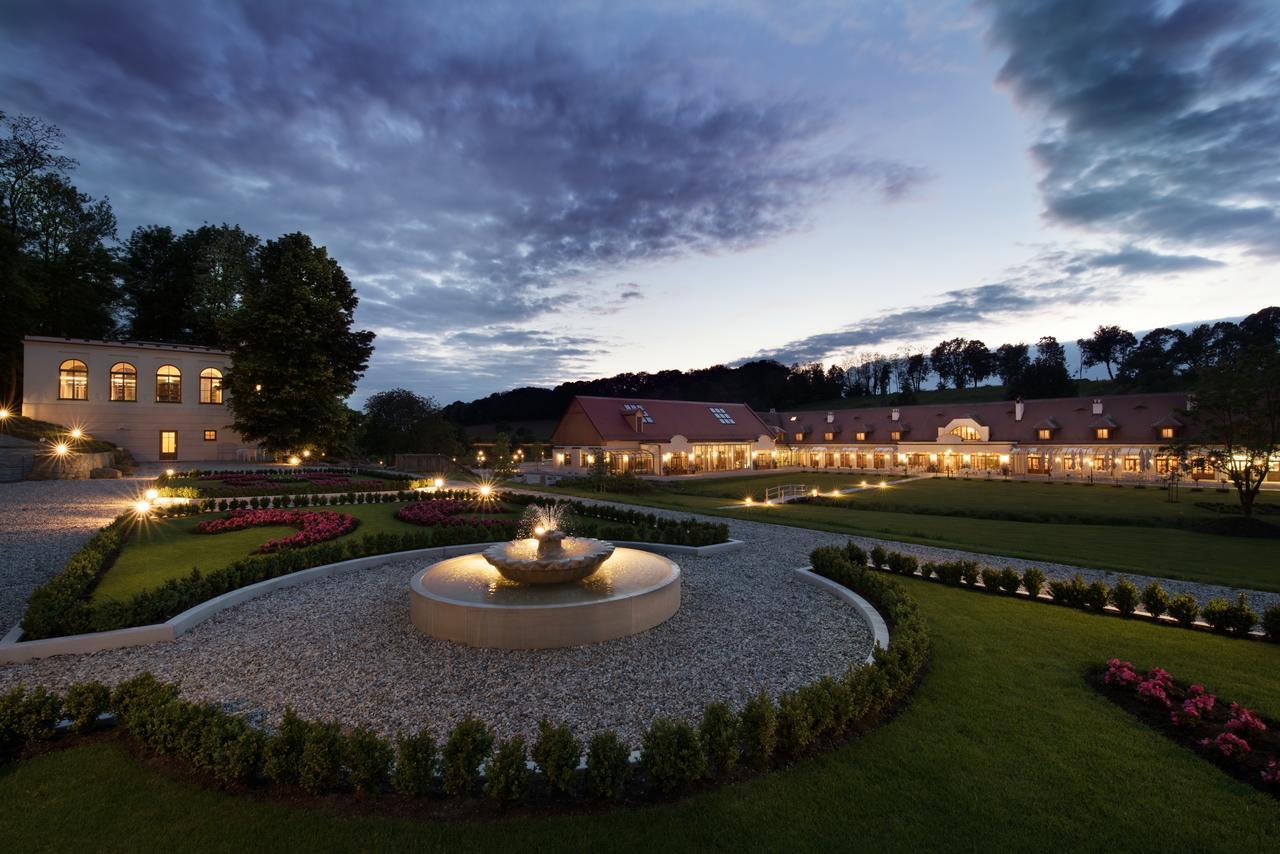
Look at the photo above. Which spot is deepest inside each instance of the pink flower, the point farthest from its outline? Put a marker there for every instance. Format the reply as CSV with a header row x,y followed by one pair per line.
x,y
314,526
1120,673
1271,774
1243,719
1228,744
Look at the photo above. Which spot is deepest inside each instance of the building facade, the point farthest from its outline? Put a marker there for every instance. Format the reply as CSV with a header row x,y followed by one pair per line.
x,y
163,402
655,437
1119,438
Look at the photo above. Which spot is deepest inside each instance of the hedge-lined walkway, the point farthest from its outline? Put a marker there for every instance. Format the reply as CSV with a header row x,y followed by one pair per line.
x,y
43,522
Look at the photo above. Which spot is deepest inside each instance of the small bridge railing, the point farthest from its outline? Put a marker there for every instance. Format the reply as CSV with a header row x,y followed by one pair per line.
x,y
784,493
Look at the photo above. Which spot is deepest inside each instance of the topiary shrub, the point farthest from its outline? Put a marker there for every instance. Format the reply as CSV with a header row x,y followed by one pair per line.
x,y
1155,600
608,766
902,564
671,755
927,570
1184,609
1271,623
369,758
855,553
1009,581
507,774
230,749
950,572
1033,580
1096,596
1236,619
718,732
1125,597
415,765
1070,593
557,752
795,724
85,703
879,557
991,579
283,751
32,715
758,725
969,572
320,765
469,743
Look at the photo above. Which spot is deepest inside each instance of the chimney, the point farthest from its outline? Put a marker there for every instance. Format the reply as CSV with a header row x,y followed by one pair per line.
x,y
1097,406
831,417
893,416
1019,409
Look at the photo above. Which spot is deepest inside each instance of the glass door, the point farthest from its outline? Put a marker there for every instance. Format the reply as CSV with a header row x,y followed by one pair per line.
x,y
168,444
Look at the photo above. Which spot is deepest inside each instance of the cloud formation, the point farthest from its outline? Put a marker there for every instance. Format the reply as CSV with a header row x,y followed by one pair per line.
x,y
1163,118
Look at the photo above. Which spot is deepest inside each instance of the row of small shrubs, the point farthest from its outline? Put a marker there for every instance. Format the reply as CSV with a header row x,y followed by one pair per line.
x,y
170,485
1224,617
322,757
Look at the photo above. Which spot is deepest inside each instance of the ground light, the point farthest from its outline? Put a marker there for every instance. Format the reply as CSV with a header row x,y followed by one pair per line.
x,y
748,501
142,507
486,490
294,460
61,449
152,494
884,484
76,433
168,472
4,413
438,482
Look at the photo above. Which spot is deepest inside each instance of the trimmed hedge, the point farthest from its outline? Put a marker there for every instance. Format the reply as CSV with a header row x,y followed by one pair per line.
x,y
319,757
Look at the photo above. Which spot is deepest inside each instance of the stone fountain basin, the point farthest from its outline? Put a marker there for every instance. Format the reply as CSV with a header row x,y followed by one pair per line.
x,y
577,558
466,600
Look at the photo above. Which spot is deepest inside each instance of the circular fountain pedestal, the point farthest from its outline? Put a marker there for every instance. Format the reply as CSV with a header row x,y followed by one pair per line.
x,y
466,600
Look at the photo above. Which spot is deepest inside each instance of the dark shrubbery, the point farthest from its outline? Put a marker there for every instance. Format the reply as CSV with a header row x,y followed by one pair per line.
x,y
415,765
1125,597
1271,623
60,606
468,745
991,579
758,726
1155,599
1033,580
671,755
795,725
557,752
608,766
507,774
720,741
320,764
369,757
85,703
1227,618
1008,581
879,557
1184,609
1096,596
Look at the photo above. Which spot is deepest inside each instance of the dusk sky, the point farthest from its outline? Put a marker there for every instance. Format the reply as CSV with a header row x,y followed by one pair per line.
x,y
525,193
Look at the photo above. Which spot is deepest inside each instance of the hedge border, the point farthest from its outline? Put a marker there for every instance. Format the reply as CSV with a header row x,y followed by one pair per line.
x,y
674,758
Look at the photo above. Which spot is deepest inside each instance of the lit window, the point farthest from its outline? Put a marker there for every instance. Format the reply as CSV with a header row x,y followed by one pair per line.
x,y
211,435
73,380
799,437
635,407
861,437
722,416
1133,464
124,382
895,435
211,385
168,384
1044,433
1102,433
828,437
1166,432
967,433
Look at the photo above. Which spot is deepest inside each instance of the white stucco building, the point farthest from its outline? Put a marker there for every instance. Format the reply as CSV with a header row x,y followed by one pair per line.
x,y
163,402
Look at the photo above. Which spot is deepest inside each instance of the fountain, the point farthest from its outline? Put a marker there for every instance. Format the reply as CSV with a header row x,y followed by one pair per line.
x,y
545,590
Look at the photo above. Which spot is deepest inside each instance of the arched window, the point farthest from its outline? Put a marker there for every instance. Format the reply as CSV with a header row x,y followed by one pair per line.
x,y
73,380
124,382
211,385
967,433
168,384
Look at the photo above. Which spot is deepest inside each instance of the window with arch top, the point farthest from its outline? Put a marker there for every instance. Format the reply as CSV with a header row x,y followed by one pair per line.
x,y
124,382
168,384
73,380
211,386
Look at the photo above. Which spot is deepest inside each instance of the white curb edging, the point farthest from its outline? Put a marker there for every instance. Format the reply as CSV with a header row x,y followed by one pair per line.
x,y
879,629
15,651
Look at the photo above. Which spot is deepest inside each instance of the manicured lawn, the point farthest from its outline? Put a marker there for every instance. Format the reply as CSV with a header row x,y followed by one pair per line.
x,y
222,488
1158,551
168,549
1003,747
737,488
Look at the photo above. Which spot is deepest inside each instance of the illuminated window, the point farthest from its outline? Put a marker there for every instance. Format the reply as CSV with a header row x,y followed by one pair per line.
x,y
211,385
124,382
799,437
1036,463
168,445
73,380
966,433
1133,464
721,415
1166,432
861,437
828,437
211,435
1102,433
168,384
895,435
1044,433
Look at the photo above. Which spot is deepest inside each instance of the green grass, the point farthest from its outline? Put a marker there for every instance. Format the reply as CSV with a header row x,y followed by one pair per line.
x,y
1156,551
1002,747
168,549
219,488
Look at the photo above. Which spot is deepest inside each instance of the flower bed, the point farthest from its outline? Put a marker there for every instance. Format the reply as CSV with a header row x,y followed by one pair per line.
x,y
234,483
448,511
1227,734
315,526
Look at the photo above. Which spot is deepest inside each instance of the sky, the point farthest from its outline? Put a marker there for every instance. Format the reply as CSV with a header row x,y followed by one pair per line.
x,y
527,193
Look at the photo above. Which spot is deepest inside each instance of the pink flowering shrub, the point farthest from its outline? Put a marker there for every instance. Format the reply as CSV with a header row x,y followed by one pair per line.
x,y
446,511
1228,744
1197,704
1120,673
1244,720
314,526
1271,774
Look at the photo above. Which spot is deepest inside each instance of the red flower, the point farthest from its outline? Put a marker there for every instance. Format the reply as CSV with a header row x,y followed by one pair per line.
x,y
315,526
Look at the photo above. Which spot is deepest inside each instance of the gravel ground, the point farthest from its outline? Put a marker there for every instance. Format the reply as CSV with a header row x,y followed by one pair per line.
x,y
42,523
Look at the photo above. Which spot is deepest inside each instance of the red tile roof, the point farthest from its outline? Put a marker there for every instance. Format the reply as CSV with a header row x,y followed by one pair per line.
x,y
603,419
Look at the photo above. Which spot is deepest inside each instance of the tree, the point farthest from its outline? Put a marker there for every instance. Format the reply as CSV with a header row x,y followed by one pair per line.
x,y
978,362
1156,361
1107,346
502,462
31,150
399,421
1047,375
294,355
1011,360
1236,417
948,362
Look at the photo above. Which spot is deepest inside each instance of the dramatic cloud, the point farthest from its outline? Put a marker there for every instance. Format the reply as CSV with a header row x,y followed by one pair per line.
x,y
1132,259
1163,118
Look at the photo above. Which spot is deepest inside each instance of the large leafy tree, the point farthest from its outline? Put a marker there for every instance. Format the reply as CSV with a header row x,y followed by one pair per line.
x,y
1047,375
399,421
1236,418
949,362
295,357
1011,360
978,361
1107,347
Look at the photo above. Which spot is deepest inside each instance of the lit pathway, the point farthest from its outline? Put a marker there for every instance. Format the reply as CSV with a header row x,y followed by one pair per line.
x,y
876,487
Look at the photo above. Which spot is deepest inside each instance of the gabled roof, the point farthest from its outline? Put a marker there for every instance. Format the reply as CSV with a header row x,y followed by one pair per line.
x,y
607,419
1049,423
1169,420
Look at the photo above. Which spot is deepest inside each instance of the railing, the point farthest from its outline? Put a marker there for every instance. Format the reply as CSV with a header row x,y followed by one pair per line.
x,y
785,493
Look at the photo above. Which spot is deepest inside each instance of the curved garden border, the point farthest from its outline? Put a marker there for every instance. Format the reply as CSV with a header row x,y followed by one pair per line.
x,y
13,650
